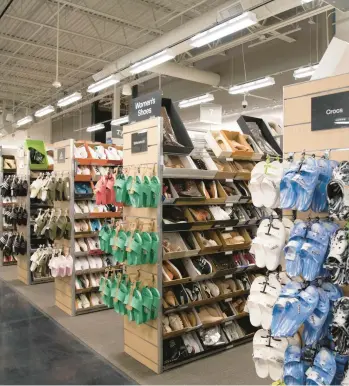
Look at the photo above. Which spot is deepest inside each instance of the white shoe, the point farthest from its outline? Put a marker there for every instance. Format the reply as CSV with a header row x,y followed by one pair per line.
x,y
94,299
78,266
93,282
77,209
85,302
86,281
92,262
82,245
78,303
84,263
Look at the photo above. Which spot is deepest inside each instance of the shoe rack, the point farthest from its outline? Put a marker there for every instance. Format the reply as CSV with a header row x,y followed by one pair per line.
x,y
146,342
66,163
29,172
4,172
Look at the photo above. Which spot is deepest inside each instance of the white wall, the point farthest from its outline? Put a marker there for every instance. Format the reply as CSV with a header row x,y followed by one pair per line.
x,y
40,130
67,126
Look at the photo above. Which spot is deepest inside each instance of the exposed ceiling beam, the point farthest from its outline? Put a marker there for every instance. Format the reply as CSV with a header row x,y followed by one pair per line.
x,y
23,71
15,82
251,36
106,16
51,48
279,36
36,60
35,32
89,37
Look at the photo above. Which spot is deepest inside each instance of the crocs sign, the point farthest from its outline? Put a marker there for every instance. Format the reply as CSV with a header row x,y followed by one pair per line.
x,y
145,107
330,111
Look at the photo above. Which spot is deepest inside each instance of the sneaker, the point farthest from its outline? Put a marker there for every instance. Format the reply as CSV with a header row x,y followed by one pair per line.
x,y
202,266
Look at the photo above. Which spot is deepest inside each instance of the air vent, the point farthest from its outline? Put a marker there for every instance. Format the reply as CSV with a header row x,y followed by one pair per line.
x,y
229,12
342,5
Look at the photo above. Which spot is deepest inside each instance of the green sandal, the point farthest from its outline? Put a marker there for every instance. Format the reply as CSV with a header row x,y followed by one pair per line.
x,y
147,303
129,183
155,192
156,303
135,193
154,251
120,188
146,247
119,247
146,192
134,250
135,311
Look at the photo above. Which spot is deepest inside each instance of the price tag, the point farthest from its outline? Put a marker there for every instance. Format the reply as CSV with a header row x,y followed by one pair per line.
x,y
228,300
229,229
228,276
228,253
230,159
229,180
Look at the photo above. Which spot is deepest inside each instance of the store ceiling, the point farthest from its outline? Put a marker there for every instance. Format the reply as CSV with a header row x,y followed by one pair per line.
x,y
93,33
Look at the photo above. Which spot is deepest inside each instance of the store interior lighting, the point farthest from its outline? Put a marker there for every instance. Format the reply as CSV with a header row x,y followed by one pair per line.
x,y
250,86
99,126
120,121
307,1
104,83
152,61
68,100
44,111
24,121
196,101
305,72
229,27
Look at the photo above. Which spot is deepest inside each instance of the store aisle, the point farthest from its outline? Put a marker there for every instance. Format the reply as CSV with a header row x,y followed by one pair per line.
x,y
35,350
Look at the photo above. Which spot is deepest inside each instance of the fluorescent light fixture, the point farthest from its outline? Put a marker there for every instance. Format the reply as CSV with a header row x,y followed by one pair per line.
x,y
305,72
69,99
44,111
99,126
152,61
224,29
25,120
195,101
255,85
104,83
306,1
120,121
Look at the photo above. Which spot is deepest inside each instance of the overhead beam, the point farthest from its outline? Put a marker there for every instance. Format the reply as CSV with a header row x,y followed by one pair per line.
x,y
37,60
106,16
279,36
51,48
68,32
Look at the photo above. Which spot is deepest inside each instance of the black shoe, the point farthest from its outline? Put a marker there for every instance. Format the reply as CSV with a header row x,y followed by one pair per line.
x,y
202,266
36,157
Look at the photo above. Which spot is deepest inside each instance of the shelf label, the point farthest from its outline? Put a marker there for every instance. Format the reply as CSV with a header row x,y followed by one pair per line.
x,y
229,229
228,276
61,155
145,107
139,142
228,300
229,180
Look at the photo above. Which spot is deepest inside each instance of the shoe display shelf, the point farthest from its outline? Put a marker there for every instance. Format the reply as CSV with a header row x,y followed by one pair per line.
x,y
8,167
67,296
23,261
148,343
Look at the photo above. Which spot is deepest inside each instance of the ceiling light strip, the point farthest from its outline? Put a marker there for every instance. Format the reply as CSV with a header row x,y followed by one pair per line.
x,y
152,61
68,100
24,121
196,101
305,72
229,27
44,111
120,121
254,85
99,126
104,83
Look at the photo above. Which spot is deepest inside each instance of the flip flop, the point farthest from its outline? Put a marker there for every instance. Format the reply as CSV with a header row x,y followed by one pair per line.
x,y
294,368
323,370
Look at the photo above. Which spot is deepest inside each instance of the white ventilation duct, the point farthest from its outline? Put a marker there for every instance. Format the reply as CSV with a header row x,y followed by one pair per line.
x,y
178,40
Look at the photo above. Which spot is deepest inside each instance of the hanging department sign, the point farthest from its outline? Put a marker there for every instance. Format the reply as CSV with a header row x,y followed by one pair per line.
x,y
330,111
145,107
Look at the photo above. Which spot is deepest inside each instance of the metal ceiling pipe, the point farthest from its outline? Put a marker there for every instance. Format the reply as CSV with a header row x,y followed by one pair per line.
x,y
178,38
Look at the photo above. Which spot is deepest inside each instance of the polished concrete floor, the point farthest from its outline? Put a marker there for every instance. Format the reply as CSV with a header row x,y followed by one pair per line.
x,y
35,350
103,333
